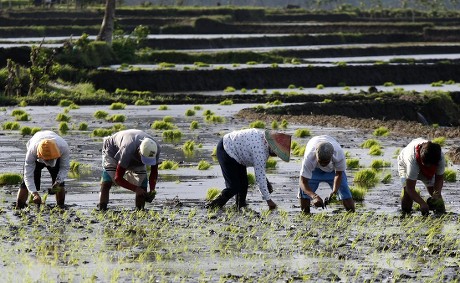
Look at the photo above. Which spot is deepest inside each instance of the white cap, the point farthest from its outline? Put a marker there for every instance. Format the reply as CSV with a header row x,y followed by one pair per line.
x,y
148,150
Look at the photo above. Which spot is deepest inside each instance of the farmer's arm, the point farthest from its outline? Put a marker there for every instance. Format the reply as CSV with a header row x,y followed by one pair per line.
x,y
410,190
303,183
337,181
438,184
121,181
153,177
64,164
29,168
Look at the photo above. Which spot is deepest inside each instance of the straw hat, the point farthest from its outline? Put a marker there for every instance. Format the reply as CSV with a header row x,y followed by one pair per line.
x,y
47,149
279,143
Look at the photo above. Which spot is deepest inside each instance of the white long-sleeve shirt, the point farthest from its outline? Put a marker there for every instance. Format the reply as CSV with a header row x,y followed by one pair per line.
x,y
31,157
249,148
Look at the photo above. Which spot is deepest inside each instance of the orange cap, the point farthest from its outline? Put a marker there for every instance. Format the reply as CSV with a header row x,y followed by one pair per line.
x,y
47,150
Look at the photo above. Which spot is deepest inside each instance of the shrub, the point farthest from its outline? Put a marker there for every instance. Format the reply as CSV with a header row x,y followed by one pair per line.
x,y
212,193
162,125
375,150
381,132
301,133
168,165
194,125
10,179
352,163
257,124
117,106
226,102
61,117
100,114
117,118
203,165
366,177
378,164
190,112
369,143
450,175
271,163
13,126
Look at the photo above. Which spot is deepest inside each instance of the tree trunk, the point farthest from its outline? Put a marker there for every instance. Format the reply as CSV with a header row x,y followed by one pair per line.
x,y
106,32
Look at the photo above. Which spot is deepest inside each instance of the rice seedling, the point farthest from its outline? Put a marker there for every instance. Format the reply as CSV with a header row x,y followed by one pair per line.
x,y
72,106
197,107
274,65
274,125
189,146
368,143
327,100
118,127
229,89
23,103
101,132
207,112
18,112
194,125
63,128
214,151
302,133
65,102
23,117
358,193
201,64
298,150
319,86
162,125
163,107
244,90
387,178
366,177
439,140
10,179
212,193
271,163
25,131
214,119
100,114
83,126
254,91
168,165
450,175
252,63
203,165
190,112
379,164
284,124
251,179
172,134
226,102
61,117
388,84
381,132
375,150
168,119
117,106
117,118
141,102
75,166
35,130
352,163
291,86
257,124
13,126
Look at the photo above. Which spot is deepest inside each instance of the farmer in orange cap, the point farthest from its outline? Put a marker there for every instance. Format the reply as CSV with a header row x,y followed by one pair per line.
x,y
324,161
125,155
251,147
422,160
44,149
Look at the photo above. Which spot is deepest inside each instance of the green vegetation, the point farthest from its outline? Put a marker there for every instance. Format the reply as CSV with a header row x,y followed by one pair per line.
x,y
162,125
369,143
100,114
194,125
189,146
12,126
366,178
83,126
352,163
141,102
168,119
251,179
212,193
214,119
226,102
375,150
190,112
274,125
10,179
229,89
450,175
63,128
117,118
284,124
358,193
302,133
257,124
379,164
168,165
26,131
439,140
271,163
203,165
117,106
61,117
101,132
172,135
381,132
163,107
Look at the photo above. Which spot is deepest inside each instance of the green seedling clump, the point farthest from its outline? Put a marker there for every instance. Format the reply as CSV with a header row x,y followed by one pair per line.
x,y
207,112
378,164
10,179
172,134
368,143
251,179
375,150
284,124
302,133
298,150
366,178
212,193
26,131
226,102
83,126
163,107
117,106
197,107
18,112
381,132
168,165
203,165
229,89
23,117
162,125
271,163
439,140
74,165
190,112
353,163
189,146
274,125
65,102
61,117
141,102
63,128
168,119
358,193
100,114
194,125
214,119
13,126
450,175
101,132
386,179
257,124
117,118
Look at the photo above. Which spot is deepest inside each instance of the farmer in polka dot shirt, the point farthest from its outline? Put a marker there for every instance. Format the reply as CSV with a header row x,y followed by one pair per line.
x,y
248,148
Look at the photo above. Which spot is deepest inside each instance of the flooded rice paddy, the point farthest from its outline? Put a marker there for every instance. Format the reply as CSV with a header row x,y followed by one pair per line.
x,y
177,240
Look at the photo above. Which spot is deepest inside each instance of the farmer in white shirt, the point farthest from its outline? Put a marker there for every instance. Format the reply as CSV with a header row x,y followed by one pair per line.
x,y
248,148
324,161
44,149
422,160
125,155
